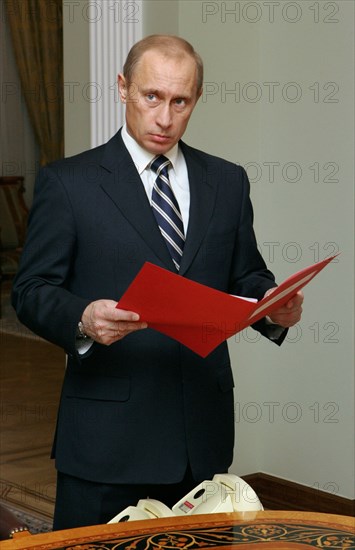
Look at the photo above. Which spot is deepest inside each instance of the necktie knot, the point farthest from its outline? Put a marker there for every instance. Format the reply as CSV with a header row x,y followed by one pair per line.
x,y
161,165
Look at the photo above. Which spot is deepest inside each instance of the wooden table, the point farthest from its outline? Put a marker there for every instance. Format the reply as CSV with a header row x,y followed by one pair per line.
x,y
255,530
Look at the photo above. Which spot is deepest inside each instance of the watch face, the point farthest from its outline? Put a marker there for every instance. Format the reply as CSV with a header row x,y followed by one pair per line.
x,y
80,331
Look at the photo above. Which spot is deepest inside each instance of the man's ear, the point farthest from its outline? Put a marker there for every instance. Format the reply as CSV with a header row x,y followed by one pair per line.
x,y
122,88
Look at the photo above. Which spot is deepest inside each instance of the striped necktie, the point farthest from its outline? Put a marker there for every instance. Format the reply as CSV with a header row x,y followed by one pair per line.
x,y
166,210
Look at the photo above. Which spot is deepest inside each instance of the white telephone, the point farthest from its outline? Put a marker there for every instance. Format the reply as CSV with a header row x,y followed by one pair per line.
x,y
204,499
243,497
148,508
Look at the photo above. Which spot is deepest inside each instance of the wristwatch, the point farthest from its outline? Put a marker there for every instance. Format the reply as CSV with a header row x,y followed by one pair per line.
x,y
80,331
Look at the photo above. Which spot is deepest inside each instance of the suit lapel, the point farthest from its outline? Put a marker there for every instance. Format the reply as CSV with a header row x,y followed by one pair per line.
x,y
203,187
124,186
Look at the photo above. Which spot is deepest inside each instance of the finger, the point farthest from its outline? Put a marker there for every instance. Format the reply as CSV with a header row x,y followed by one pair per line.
x,y
126,326
287,319
122,330
123,327
292,305
106,310
124,315
297,299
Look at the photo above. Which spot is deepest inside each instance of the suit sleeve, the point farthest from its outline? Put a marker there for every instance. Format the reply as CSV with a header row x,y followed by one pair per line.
x,y
250,276
40,295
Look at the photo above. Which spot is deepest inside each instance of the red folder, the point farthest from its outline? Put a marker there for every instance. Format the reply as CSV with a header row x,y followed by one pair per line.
x,y
198,316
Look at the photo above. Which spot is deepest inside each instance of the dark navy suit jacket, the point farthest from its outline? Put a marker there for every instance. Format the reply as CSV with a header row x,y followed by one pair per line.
x,y
136,411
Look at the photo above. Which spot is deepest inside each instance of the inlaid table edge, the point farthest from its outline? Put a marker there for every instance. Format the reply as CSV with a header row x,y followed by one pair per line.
x,y
81,535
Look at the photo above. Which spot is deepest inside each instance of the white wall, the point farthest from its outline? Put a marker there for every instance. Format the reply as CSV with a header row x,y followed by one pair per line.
x,y
292,105
294,404
76,77
161,17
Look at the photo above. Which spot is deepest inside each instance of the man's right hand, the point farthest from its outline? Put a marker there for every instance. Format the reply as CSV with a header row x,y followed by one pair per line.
x,y
106,324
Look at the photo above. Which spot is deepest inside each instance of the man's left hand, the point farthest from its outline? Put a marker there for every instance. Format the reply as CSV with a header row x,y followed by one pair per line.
x,y
288,314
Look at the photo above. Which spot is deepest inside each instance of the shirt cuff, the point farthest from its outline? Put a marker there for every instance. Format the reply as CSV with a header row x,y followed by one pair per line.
x,y
274,330
83,345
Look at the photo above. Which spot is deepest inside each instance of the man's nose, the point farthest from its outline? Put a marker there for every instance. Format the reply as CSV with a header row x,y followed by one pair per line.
x,y
164,118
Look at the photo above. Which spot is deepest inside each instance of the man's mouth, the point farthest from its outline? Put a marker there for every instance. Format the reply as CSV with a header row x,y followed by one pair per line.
x,y
159,137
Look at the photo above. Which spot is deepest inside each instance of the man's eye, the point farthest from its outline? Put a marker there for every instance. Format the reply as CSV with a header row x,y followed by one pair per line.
x,y
180,101
151,97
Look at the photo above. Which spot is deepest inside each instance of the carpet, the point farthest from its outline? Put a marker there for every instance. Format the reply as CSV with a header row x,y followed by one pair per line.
x,y
29,395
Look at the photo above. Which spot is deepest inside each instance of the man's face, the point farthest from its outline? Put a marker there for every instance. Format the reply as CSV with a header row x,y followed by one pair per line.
x,y
159,100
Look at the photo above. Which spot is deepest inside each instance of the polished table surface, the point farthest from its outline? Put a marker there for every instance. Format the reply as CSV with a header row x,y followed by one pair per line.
x,y
257,530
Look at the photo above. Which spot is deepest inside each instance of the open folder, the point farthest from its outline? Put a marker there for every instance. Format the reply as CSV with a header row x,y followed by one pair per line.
x,y
198,316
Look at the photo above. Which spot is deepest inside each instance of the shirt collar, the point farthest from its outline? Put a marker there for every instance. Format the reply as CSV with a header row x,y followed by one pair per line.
x,y
140,156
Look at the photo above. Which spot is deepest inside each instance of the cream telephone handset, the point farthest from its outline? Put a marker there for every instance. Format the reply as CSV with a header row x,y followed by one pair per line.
x,y
206,498
148,508
154,508
131,513
243,497
225,493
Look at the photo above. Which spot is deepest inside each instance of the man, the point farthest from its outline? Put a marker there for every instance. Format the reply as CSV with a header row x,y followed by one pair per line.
x,y
140,415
